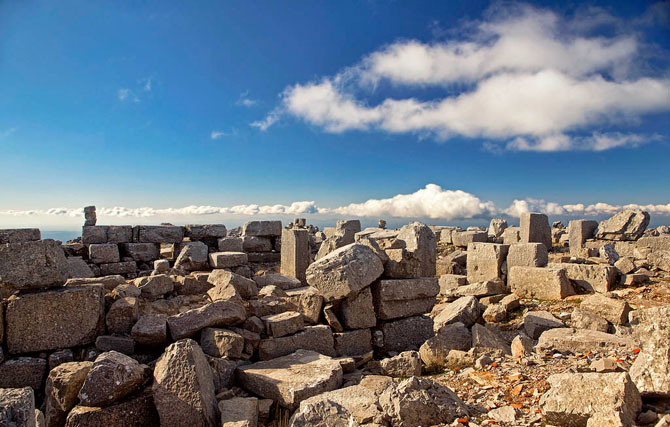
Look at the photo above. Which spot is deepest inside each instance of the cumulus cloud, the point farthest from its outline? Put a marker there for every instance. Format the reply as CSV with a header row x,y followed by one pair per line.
x,y
526,79
432,201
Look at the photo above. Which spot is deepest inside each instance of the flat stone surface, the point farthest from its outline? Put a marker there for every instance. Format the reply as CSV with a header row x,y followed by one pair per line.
x,y
611,309
541,283
568,340
137,411
316,338
406,334
54,319
358,311
466,310
220,313
227,259
527,255
32,265
293,378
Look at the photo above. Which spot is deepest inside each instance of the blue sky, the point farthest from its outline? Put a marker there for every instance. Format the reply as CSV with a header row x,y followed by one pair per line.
x,y
164,105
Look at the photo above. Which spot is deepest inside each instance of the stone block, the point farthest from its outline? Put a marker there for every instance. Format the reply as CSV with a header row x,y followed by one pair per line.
x,y
204,231
316,338
94,234
405,334
222,343
160,234
353,343
511,235
119,234
295,253
463,238
590,277
124,267
399,298
358,312
535,229
287,323
256,244
485,261
220,313
613,310
540,283
17,407
141,252
51,320
23,372
103,253
227,259
32,265
527,255
628,224
578,232
230,244
19,235
262,228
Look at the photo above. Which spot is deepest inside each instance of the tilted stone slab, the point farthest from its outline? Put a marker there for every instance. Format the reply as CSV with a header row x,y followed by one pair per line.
x,y
220,313
55,319
317,338
290,379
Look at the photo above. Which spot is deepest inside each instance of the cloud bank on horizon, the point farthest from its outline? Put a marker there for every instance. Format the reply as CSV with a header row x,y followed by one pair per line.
x,y
432,202
524,78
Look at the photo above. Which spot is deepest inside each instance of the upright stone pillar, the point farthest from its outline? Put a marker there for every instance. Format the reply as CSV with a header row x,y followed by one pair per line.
x,y
295,253
578,231
535,229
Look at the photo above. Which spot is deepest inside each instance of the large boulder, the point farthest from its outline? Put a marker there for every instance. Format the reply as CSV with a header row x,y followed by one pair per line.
x,y
183,388
290,379
32,265
485,261
416,255
591,399
538,282
54,319
629,224
193,256
466,310
420,401
139,410
345,271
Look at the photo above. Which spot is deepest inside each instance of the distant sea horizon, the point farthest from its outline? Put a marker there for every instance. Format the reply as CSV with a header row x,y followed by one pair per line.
x,y
62,235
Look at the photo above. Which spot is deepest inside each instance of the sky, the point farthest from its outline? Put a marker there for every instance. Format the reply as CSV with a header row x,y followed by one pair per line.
x,y
447,112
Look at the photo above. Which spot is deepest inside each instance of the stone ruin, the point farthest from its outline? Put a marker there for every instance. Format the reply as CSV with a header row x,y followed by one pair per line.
x,y
271,326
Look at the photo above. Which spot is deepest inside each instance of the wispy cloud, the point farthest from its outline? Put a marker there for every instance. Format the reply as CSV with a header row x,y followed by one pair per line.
x,y
432,201
147,84
245,101
125,94
218,134
6,132
530,79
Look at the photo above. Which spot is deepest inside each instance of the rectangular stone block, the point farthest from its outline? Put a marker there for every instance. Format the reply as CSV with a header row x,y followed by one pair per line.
x,y
262,228
230,244
119,234
590,277
358,311
399,298
141,252
94,234
264,257
32,265
463,238
406,334
295,253
539,282
535,229
49,320
448,282
659,243
160,234
205,231
103,253
124,267
511,235
527,255
316,338
485,261
256,244
578,231
227,259
18,235
353,343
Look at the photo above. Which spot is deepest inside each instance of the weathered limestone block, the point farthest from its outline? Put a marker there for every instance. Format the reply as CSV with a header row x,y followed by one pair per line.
x,y
279,280
77,267
405,364
399,298
479,289
660,259
122,315
19,235
449,282
183,388
540,283
205,231
137,411
511,235
119,234
580,319
293,378
578,231
497,227
221,343
220,313
405,334
239,412
112,377
17,407
485,261
353,343
535,229
568,340
295,253
193,256
109,283
152,287
659,243
629,224
62,387
488,337
463,238
651,370
23,372
580,399
94,234
124,267
536,322
343,235
590,277
230,244
32,265
282,324
50,320
150,330
160,234
421,402
256,244
262,228
434,352
358,311
345,271
247,288
466,310
121,344
614,310
317,338
527,255
417,255
141,252
227,259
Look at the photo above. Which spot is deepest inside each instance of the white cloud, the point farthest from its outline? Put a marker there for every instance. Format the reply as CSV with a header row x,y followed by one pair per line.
x,y
527,79
5,133
147,84
218,134
429,202
245,101
432,202
127,95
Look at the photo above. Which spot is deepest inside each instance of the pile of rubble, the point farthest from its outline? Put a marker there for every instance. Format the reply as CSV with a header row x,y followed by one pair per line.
x,y
264,325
